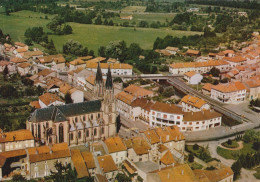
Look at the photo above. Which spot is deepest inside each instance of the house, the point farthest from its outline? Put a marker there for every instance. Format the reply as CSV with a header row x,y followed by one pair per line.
x,y
117,69
123,102
253,87
79,164
217,175
192,53
3,64
108,166
42,159
116,149
10,159
49,99
172,50
126,17
20,52
76,95
194,104
19,45
193,78
96,60
90,162
228,53
235,61
172,174
24,68
206,89
79,75
77,63
17,60
56,62
138,149
15,140
232,92
138,92
32,55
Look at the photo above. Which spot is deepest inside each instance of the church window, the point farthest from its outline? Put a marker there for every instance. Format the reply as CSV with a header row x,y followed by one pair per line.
x,y
102,130
84,118
95,131
47,125
76,119
91,116
79,134
98,115
61,133
32,129
39,130
87,133
71,136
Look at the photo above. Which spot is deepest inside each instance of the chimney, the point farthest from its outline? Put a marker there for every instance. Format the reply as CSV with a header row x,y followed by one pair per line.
x,y
191,113
168,176
182,172
51,151
36,151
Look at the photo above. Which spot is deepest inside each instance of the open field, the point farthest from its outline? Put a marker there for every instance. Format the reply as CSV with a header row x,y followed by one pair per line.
x,y
92,36
134,9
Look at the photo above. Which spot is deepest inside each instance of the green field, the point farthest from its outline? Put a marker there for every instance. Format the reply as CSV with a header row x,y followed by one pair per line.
x,y
92,36
134,9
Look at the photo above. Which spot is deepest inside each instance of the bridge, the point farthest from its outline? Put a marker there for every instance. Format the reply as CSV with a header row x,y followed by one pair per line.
x,y
149,76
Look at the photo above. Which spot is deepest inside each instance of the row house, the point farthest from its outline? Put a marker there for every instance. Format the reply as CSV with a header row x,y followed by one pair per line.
x,y
14,140
253,87
32,55
199,67
19,52
117,69
202,120
49,99
79,164
137,149
232,92
25,68
55,62
235,61
10,66
42,159
138,91
194,104
76,64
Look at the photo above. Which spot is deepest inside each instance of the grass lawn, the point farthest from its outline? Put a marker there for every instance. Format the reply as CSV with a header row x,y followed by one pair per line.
x,y
234,144
134,9
234,154
198,153
92,36
195,165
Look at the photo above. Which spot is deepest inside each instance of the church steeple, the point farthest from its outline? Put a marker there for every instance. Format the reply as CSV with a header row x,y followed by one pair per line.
x,y
109,81
99,78
99,86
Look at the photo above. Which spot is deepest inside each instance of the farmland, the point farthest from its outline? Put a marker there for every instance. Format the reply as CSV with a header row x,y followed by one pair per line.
x,y
92,36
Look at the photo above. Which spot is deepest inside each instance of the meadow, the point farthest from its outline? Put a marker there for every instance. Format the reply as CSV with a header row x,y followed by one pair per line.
x,y
92,36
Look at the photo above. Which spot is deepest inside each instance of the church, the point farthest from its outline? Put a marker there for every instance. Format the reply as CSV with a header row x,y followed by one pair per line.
x,y
78,123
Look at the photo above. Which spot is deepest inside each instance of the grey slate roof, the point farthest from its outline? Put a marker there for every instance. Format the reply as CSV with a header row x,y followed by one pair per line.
x,y
99,78
60,113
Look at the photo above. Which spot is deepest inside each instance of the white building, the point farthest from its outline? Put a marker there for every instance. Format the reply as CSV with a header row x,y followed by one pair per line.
x,y
117,69
49,99
199,67
229,93
193,78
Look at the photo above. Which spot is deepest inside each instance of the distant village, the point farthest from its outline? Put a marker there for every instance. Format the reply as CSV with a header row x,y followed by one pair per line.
x,y
84,132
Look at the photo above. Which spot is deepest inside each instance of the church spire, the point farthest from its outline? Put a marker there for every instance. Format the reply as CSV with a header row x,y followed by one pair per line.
x,y
99,74
109,81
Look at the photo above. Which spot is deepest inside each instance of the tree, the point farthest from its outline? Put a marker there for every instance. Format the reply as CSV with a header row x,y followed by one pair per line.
x,y
118,123
98,21
101,51
72,47
64,173
118,79
68,99
28,42
18,178
116,49
111,23
143,24
67,29
236,168
191,158
195,147
215,72
229,142
133,51
122,178
8,91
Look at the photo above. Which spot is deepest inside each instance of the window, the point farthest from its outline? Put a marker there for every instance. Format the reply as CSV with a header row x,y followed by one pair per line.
x,y
102,130
84,118
47,125
87,133
95,131
178,117
76,119
91,116
98,115
71,136
39,130
153,113
165,116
